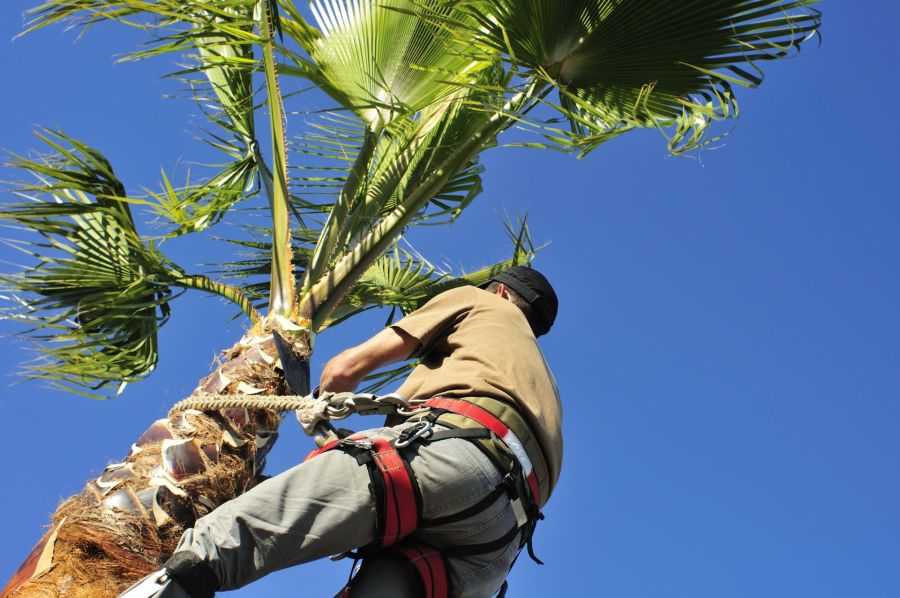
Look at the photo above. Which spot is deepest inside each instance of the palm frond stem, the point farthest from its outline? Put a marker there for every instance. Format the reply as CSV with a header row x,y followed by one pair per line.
x,y
229,292
281,296
337,219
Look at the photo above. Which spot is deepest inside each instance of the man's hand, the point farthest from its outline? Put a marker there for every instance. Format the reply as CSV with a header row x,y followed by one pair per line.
x,y
344,371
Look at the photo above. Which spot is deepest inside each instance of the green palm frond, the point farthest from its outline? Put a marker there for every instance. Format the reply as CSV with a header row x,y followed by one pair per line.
x,y
418,148
224,56
387,175
644,63
228,63
383,379
251,269
329,147
413,153
175,22
295,26
400,278
440,132
448,203
338,149
217,39
412,167
95,291
386,64
194,207
94,294
379,59
404,280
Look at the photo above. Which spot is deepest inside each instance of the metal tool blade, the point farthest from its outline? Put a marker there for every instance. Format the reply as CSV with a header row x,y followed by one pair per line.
x,y
296,370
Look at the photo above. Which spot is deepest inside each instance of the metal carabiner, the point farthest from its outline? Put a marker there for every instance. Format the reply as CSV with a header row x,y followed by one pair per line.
x,y
421,429
414,407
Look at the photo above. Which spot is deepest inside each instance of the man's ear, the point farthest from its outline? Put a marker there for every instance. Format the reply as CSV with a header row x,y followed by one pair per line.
x,y
501,291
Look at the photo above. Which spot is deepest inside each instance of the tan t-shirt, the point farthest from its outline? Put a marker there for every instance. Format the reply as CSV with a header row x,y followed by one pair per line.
x,y
476,344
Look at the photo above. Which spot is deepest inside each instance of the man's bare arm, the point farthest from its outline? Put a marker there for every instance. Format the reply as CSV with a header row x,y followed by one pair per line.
x,y
344,371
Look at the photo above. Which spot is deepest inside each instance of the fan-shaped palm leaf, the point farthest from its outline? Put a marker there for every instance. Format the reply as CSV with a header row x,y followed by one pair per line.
x,y
94,289
96,293
379,59
218,38
648,63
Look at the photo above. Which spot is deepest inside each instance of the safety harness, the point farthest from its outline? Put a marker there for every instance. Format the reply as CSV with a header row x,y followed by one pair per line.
x,y
510,447
496,427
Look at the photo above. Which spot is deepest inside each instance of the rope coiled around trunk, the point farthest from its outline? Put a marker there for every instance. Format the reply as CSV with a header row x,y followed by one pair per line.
x,y
313,410
214,402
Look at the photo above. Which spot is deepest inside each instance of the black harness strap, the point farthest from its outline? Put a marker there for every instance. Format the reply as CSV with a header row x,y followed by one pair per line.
x,y
399,502
453,432
483,548
513,472
478,507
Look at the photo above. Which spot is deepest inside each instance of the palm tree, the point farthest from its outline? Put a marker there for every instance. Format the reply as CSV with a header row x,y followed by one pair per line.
x,y
419,90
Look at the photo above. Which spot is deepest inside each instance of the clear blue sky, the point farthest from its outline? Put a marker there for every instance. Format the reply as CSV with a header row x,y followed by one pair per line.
x,y
728,346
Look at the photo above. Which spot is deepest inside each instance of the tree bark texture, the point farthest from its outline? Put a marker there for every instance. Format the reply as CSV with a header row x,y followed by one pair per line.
x,y
126,522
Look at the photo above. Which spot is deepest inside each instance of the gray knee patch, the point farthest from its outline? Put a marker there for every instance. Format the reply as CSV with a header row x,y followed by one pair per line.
x,y
193,574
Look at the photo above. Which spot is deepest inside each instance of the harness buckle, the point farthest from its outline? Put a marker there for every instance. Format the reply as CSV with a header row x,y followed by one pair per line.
x,y
519,511
360,443
421,429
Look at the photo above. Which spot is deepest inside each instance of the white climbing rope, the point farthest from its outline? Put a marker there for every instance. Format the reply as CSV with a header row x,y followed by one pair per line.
x,y
312,409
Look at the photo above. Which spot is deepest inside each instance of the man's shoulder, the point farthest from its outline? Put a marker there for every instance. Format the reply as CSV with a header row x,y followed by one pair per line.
x,y
465,290
458,295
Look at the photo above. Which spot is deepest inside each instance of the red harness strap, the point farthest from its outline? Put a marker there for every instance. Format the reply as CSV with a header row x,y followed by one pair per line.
x,y
429,564
400,505
396,494
326,447
424,559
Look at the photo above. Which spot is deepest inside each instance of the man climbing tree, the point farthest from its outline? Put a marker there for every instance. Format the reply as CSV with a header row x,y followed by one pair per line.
x,y
413,92
454,491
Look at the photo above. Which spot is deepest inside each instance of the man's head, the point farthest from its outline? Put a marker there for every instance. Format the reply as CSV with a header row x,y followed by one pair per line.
x,y
529,290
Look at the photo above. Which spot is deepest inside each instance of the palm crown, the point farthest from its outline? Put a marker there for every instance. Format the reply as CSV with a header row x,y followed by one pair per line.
x,y
419,89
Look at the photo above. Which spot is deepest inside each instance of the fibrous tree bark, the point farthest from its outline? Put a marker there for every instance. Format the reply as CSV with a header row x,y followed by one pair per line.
x,y
127,521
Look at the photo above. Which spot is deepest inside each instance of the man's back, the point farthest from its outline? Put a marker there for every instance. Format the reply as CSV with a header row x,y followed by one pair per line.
x,y
476,344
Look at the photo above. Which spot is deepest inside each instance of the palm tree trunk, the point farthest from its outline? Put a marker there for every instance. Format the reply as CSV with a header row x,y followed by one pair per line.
x,y
127,522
